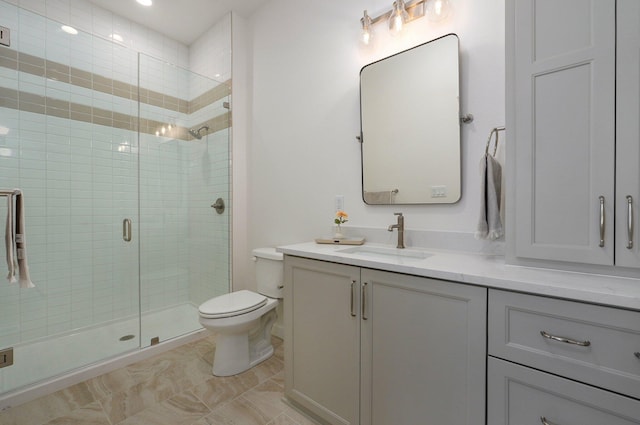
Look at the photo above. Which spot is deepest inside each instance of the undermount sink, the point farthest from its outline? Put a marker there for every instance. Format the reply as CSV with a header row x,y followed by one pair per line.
x,y
386,252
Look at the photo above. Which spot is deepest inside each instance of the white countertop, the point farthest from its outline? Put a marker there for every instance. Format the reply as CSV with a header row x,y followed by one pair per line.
x,y
486,270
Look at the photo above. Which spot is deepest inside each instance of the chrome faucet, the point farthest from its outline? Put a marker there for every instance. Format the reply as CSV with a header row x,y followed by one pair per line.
x,y
400,227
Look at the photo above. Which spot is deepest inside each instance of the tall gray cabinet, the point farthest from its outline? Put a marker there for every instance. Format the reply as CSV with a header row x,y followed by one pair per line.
x,y
572,115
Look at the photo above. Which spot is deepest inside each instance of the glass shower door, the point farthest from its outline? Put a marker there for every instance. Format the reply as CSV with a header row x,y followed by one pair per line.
x,y
68,140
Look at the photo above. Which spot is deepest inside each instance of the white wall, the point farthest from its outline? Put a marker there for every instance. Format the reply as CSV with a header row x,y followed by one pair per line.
x,y
242,267
305,114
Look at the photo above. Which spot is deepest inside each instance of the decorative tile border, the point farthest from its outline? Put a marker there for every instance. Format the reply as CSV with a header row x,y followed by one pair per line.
x,y
15,99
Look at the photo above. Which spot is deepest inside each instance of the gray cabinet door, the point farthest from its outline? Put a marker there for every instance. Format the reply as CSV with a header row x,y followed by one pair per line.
x,y
322,339
517,395
423,351
563,128
628,134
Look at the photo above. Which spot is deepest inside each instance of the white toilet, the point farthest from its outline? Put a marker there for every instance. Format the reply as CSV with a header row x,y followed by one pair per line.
x,y
242,320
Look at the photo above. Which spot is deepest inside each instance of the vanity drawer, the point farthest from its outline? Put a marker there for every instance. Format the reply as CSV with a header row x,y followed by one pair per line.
x,y
589,343
518,395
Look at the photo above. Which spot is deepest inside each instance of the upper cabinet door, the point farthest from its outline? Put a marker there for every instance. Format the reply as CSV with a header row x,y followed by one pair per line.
x,y
628,135
564,127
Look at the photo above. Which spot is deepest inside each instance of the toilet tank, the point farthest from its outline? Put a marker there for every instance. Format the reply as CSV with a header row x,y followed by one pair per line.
x,y
269,271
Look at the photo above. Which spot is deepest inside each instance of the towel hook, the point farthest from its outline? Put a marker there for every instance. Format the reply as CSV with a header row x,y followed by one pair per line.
x,y
495,146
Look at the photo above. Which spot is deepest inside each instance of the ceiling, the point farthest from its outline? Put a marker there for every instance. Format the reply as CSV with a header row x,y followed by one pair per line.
x,y
182,20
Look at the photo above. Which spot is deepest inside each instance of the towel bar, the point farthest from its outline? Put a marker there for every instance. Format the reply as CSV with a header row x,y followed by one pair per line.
x,y
7,192
495,147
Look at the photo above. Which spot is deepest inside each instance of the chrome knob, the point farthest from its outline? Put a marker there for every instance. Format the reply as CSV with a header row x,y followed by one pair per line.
x,y
218,205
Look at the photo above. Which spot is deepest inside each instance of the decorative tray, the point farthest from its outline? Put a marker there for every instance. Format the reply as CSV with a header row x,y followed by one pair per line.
x,y
341,241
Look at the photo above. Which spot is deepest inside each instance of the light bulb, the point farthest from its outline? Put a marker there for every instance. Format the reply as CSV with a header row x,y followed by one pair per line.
x,y
365,37
437,10
367,32
398,18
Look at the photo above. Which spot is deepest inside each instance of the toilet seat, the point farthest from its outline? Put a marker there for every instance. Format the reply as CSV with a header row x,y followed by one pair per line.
x,y
232,304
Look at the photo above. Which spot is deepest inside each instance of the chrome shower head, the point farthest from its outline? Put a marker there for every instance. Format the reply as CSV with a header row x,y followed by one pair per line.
x,y
196,133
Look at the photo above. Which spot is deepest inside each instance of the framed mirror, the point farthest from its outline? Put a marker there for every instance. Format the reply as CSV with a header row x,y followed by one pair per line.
x,y
410,126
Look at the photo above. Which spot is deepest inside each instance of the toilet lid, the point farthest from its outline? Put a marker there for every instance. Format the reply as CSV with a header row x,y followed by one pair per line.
x,y
232,304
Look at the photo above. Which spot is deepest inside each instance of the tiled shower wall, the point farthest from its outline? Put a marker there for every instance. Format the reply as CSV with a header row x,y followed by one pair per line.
x,y
185,244
65,140
210,261
97,21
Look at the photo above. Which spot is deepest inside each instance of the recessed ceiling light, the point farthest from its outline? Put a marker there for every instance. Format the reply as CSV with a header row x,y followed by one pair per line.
x,y
69,30
116,37
145,2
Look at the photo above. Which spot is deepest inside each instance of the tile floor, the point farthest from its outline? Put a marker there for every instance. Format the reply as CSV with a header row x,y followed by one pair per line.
x,y
172,388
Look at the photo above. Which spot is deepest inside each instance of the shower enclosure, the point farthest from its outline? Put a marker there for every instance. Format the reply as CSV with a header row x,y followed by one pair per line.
x,y
122,241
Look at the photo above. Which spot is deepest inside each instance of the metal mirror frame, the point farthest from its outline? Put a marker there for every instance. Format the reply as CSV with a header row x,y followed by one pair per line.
x,y
442,180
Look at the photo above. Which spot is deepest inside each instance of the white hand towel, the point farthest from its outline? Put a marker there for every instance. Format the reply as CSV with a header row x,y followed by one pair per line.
x,y
21,245
10,241
490,223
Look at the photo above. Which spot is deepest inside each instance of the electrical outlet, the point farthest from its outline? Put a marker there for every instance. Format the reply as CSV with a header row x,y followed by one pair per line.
x,y
339,202
5,36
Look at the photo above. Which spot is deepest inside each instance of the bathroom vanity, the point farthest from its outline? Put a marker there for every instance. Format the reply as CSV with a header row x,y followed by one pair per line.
x,y
377,335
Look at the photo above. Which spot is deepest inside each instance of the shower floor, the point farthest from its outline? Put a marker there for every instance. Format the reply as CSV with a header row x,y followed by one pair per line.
x,y
48,358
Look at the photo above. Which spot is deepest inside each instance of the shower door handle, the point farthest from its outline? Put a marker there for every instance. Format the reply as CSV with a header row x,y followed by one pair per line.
x,y
126,230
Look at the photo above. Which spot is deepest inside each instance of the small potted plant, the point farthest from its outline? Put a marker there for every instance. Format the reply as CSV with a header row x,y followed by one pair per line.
x,y
341,218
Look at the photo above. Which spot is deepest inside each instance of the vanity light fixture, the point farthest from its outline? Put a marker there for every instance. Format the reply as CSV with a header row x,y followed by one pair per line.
x,y
367,31
399,17
403,13
437,10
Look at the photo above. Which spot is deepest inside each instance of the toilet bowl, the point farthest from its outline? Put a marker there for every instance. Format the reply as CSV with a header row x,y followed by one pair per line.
x,y
243,320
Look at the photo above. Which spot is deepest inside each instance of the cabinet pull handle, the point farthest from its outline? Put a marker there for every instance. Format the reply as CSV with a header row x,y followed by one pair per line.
x,y
545,421
126,230
601,221
353,298
629,222
364,301
566,340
